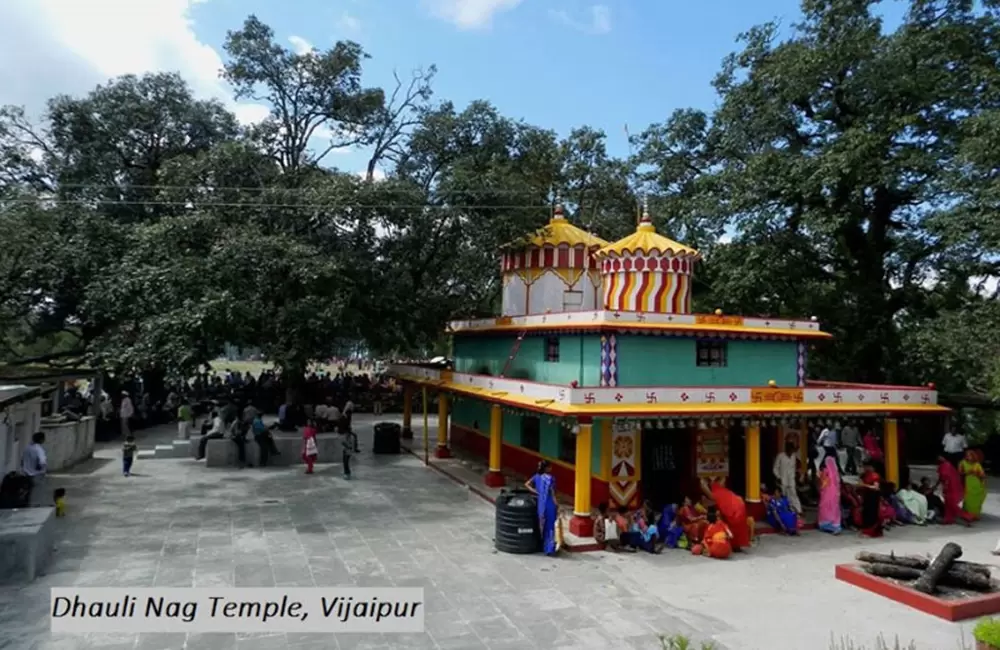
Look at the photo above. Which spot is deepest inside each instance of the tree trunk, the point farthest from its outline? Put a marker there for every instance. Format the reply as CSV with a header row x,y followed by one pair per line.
x,y
917,562
293,374
939,566
954,578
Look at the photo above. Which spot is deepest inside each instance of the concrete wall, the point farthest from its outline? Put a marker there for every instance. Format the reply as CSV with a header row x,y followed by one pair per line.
x,y
68,443
17,423
579,358
670,361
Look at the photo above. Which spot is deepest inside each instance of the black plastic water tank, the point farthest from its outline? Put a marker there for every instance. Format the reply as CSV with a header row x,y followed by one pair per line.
x,y
517,522
386,438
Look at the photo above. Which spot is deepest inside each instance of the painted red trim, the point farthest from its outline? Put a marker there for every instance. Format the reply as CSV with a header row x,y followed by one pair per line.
x,y
949,610
819,383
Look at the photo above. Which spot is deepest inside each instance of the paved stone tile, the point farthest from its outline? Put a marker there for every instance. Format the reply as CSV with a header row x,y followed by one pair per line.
x,y
400,524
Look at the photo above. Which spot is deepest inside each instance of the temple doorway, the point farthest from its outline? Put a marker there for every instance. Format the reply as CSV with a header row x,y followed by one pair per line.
x,y
737,481
667,465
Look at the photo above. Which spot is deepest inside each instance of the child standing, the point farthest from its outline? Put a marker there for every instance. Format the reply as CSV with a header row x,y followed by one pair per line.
x,y
310,451
128,454
350,448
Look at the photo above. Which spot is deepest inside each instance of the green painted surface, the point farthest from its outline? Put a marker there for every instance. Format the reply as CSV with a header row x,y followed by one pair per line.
x,y
579,358
470,412
669,361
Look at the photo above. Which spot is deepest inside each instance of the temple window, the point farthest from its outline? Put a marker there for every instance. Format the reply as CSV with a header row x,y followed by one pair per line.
x,y
567,444
572,300
552,348
711,353
531,433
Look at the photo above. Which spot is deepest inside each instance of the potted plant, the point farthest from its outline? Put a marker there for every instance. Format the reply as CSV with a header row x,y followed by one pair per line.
x,y
987,634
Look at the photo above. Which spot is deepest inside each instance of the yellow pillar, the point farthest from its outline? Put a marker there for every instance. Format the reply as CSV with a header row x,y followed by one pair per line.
x,y
606,449
407,411
581,524
890,438
442,450
753,462
494,478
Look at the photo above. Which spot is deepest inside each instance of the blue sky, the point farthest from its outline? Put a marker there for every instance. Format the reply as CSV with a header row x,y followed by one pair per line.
x,y
554,63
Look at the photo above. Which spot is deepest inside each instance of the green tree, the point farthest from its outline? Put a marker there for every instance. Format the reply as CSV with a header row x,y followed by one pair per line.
x,y
836,156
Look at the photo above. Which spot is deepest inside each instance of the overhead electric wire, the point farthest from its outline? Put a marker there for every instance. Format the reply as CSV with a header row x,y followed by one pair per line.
x,y
290,190
194,204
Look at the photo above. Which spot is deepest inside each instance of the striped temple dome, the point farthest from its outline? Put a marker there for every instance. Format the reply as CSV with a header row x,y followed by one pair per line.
x,y
647,272
553,270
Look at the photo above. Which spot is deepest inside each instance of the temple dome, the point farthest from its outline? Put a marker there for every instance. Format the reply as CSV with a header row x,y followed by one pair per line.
x,y
647,272
551,270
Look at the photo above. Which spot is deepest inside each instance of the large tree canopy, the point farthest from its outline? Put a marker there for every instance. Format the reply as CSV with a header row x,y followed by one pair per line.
x,y
849,171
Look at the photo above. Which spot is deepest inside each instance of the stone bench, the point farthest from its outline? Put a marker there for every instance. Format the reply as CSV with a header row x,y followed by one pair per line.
x,y
26,541
222,453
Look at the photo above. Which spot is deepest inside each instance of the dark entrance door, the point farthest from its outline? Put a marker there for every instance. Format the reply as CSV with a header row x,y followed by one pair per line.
x,y
737,481
666,465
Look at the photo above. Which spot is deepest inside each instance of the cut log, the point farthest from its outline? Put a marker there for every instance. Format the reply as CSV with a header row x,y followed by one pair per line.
x,y
918,562
939,566
969,580
911,561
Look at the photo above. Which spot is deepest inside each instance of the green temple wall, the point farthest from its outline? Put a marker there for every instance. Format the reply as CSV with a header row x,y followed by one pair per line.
x,y
579,358
672,361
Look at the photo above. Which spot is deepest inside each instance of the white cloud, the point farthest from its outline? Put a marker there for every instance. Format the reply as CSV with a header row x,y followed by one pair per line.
x,y
69,46
300,45
379,175
469,14
598,20
349,24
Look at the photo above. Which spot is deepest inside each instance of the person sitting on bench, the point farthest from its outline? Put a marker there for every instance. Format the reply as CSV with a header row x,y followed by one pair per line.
x,y
216,432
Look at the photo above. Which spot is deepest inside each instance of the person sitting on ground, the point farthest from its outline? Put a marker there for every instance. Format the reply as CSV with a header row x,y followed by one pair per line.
x,y
606,531
780,515
901,515
915,503
216,431
648,536
718,537
935,506
692,520
670,529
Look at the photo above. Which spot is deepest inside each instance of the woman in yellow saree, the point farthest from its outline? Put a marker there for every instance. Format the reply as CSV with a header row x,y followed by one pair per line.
x,y
975,483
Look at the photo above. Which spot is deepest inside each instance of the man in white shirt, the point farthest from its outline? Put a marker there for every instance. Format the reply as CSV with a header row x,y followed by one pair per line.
x,y
954,445
35,465
217,432
828,441
126,413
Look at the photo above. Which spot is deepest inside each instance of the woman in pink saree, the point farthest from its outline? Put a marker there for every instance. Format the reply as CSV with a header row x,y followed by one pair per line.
x,y
829,497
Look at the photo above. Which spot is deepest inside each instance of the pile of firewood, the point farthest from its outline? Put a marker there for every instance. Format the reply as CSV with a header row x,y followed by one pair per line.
x,y
944,574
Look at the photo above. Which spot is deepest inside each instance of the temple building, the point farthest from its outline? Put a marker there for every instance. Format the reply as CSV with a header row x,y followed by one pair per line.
x,y
598,365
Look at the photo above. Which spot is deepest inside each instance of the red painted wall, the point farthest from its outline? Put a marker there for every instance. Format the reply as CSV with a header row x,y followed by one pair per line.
x,y
523,462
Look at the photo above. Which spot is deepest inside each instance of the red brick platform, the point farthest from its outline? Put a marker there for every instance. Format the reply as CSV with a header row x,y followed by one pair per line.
x,y
951,609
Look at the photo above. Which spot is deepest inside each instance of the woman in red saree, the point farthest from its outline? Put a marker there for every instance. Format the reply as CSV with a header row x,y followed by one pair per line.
x,y
870,491
952,493
732,510
692,521
718,538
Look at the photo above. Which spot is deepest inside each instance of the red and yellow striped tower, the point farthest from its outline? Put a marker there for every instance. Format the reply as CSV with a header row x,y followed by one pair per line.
x,y
647,272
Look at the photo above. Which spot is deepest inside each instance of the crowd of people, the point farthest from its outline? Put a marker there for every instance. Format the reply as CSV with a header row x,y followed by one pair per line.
x,y
716,522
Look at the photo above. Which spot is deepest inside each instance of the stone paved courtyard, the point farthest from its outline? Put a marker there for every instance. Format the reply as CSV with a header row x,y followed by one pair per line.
x,y
179,524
